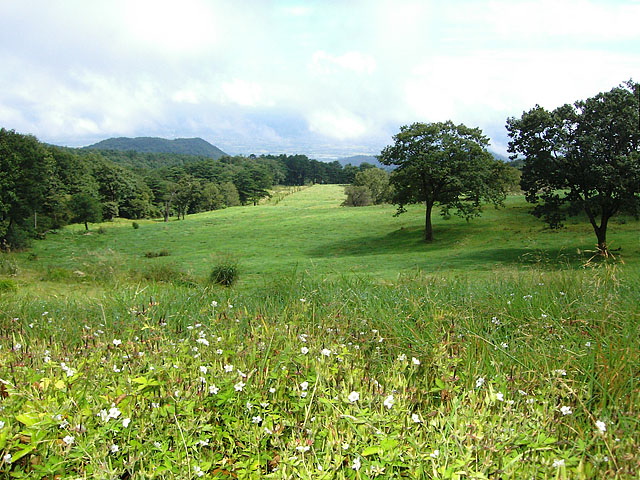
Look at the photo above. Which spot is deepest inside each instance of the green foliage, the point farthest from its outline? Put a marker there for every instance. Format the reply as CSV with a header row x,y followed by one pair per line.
x,y
165,273
180,146
8,285
135,225
377,181
225,271
441,163
85,208
8,265
230,194
583,157
24,169
357,196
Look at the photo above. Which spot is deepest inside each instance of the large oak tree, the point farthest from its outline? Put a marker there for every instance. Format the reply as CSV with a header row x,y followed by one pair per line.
x,y
582,157
445,164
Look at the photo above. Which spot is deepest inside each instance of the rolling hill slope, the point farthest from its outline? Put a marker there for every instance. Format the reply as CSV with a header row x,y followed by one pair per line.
x,y
181,146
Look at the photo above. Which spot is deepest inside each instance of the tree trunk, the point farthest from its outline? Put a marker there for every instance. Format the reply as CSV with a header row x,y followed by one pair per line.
x,y
86,226
601,231
428,229
601,234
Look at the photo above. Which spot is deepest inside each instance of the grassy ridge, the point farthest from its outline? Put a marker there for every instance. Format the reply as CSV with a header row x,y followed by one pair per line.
x,y
356,350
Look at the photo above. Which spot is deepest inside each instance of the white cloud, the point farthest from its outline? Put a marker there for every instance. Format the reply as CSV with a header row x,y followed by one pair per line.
x,y
185,96
326,64
298,10
568,18
182,27
286,72
339,124
242,92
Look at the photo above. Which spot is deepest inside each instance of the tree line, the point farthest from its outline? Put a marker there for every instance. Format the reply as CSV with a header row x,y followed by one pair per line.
x,y
44,187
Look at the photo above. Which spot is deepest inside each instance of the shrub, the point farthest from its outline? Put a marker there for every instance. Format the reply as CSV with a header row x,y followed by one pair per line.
x,y
8,285
135,225
57,274
224,272
8,266
160,253
166,273
357,196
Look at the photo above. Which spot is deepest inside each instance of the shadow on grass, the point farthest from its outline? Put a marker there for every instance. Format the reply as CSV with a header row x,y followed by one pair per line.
x,y
449,250
548,259
398,241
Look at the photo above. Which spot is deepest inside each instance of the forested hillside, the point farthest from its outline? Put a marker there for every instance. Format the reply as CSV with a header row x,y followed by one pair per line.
x,y
185,146
44,187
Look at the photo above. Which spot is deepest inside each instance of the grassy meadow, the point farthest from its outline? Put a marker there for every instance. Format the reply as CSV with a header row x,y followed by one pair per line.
x,y
348,348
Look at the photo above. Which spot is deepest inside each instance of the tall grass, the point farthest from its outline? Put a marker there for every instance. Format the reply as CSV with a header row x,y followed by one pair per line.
x,y
520,368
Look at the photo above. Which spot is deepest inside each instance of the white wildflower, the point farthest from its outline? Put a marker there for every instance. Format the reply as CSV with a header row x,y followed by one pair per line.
x,y
566,410
354,397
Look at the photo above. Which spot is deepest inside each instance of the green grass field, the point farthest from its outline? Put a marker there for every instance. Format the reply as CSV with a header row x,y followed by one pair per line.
x,y
308,231
348,348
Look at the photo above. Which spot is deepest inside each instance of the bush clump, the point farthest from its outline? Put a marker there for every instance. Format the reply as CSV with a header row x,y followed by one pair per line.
x,y
224,272
159,253
357,196
8,266
8,285
164,273
135,225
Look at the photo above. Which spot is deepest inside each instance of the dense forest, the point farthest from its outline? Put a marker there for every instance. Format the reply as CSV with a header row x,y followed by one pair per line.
x,y
190,146
44,187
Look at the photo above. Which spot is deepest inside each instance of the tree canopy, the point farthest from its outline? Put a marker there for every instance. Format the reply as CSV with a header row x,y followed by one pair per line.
x,y
445,164
582,157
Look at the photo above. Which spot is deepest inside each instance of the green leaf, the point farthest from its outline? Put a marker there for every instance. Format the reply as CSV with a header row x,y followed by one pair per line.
x,y
25,451
372,450
28,419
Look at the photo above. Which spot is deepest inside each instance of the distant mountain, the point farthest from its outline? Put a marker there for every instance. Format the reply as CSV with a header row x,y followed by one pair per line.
x,y
181,146
357,160
499,156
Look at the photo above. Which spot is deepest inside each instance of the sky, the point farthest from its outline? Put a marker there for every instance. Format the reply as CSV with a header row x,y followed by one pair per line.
x,y
322,78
